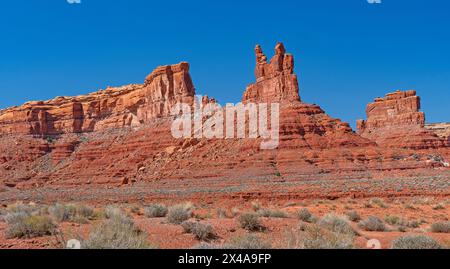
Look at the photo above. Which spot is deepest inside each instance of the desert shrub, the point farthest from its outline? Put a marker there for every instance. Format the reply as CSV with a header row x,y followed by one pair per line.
x,y
112,211
221,213
250,222
156,211
372,224
117,232
249,241
202,216
402,229
353,215
24,225
270,213
3,213
422,200
315,237
379,202
62,212
188,226
413,224
135,209
23,208
256,205
304,215
440,206
415,242
441,227
235,211
71,213
179,213
85,211
337,224
201,231
394,220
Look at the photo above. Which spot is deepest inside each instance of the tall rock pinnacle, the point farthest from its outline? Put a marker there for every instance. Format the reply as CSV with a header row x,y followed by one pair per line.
x,y
275,81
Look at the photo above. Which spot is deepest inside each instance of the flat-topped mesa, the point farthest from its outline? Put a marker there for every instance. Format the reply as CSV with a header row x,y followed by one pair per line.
x,y
396,121
396,109
127,106
275,81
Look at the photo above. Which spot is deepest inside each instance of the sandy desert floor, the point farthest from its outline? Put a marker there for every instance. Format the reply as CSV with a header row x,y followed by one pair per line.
x,y
401,216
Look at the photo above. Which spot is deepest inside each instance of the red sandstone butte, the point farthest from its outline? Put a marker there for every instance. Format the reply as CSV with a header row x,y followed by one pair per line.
x,y
123,136
396,121
131,105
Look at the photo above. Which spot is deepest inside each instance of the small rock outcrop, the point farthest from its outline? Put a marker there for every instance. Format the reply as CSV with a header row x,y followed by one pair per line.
x,y
441,129
396,121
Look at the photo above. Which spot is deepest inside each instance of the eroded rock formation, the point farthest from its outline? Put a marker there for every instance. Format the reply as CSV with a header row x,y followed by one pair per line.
x,y
275,81
123,136
130,105
396,121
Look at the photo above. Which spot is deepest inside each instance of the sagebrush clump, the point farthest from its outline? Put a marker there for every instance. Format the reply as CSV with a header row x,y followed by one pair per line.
x,y
271,213
117,232
3,213
315,237
337,224
395,220
353,216
203,232
24,225
305,215
156,211
71,213
440,206
415,242
441,227
379,202
179,213
249,241
372,224
221,213
250,222
112,211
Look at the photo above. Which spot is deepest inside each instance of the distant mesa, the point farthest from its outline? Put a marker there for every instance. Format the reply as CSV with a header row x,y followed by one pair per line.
x,y
396,121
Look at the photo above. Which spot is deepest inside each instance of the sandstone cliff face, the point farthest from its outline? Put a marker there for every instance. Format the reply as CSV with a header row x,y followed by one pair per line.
x,y
126,106
396,121
123,136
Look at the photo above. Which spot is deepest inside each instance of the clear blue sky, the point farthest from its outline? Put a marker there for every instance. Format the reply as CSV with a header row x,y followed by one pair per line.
x,y
347,51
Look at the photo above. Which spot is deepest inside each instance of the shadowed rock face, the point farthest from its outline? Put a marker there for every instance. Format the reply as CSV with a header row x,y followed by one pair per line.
x,y
131,105
396,121
123,136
